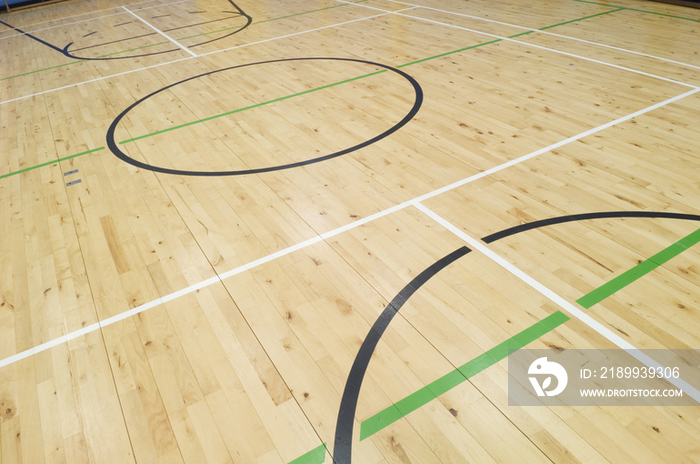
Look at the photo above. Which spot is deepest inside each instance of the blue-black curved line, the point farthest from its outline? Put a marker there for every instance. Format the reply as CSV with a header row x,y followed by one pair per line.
x,y
114,148
342,453
342,450
581,217
64,51
249,20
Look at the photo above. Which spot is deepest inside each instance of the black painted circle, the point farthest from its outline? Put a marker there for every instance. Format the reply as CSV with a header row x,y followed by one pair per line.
x,y
124,157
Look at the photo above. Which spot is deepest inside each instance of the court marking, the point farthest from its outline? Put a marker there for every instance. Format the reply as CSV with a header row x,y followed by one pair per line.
x,y
85,20
49,163
508,39
543,31
156,44
641,11
342,449
558,300
418,92
326,235
452,379
311,90
161,33
638,271
315,456
190,58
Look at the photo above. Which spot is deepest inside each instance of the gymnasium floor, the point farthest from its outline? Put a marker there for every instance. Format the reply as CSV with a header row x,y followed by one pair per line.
x,y
262,231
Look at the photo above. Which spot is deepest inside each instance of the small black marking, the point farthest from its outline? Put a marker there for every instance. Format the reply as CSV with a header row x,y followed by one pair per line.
x,y
73,182
70,172
88,35
161,16
122,24
195,12
453,411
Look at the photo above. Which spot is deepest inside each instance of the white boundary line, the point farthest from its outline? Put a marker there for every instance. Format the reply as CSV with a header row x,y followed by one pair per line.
x,y
506,39
548,33
558,300
160,32
329,234
189,58
86,20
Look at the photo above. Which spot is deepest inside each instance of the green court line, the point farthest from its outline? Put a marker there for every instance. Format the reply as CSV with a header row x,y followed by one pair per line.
x,y
315,456
447,382
320,88
643,268
216,116
343,82
39,70
641,11
580,19
50,162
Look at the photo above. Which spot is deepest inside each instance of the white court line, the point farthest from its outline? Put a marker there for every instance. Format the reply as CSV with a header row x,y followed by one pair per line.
x,y
506,39
86,20
561,302
189,58
549,33
332,233
160,32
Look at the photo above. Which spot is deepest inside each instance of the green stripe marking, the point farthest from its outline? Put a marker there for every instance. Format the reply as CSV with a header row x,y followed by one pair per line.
x,y
50,162
580,19
39,70
447,382
640,11
643,268
250,107
315,456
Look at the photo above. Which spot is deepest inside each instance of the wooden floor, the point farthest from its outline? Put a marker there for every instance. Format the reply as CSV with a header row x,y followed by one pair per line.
x,y
287,169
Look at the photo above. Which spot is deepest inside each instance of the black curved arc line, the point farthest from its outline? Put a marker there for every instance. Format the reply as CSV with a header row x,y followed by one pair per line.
x,y
342,449
112,145
581,217
342,453
64,51
248,22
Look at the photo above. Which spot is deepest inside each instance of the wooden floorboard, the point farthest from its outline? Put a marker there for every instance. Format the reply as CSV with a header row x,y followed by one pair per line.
x,y
153,310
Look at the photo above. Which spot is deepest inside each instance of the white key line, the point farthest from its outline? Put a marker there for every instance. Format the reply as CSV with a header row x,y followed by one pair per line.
x,y
327,235
161,32
558,300
189,58
506,39
548,33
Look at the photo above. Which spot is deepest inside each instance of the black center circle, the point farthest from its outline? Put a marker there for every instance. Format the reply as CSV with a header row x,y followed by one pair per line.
x,y
126,158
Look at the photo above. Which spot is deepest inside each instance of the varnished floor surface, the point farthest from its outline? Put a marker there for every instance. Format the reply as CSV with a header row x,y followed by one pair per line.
x,y
248,232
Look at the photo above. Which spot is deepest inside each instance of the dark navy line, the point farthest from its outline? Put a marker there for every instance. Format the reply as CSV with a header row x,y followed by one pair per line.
x,y
342,451
582,217
115,41
123,24
88,35
43,42
195,12
161,16
199,24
